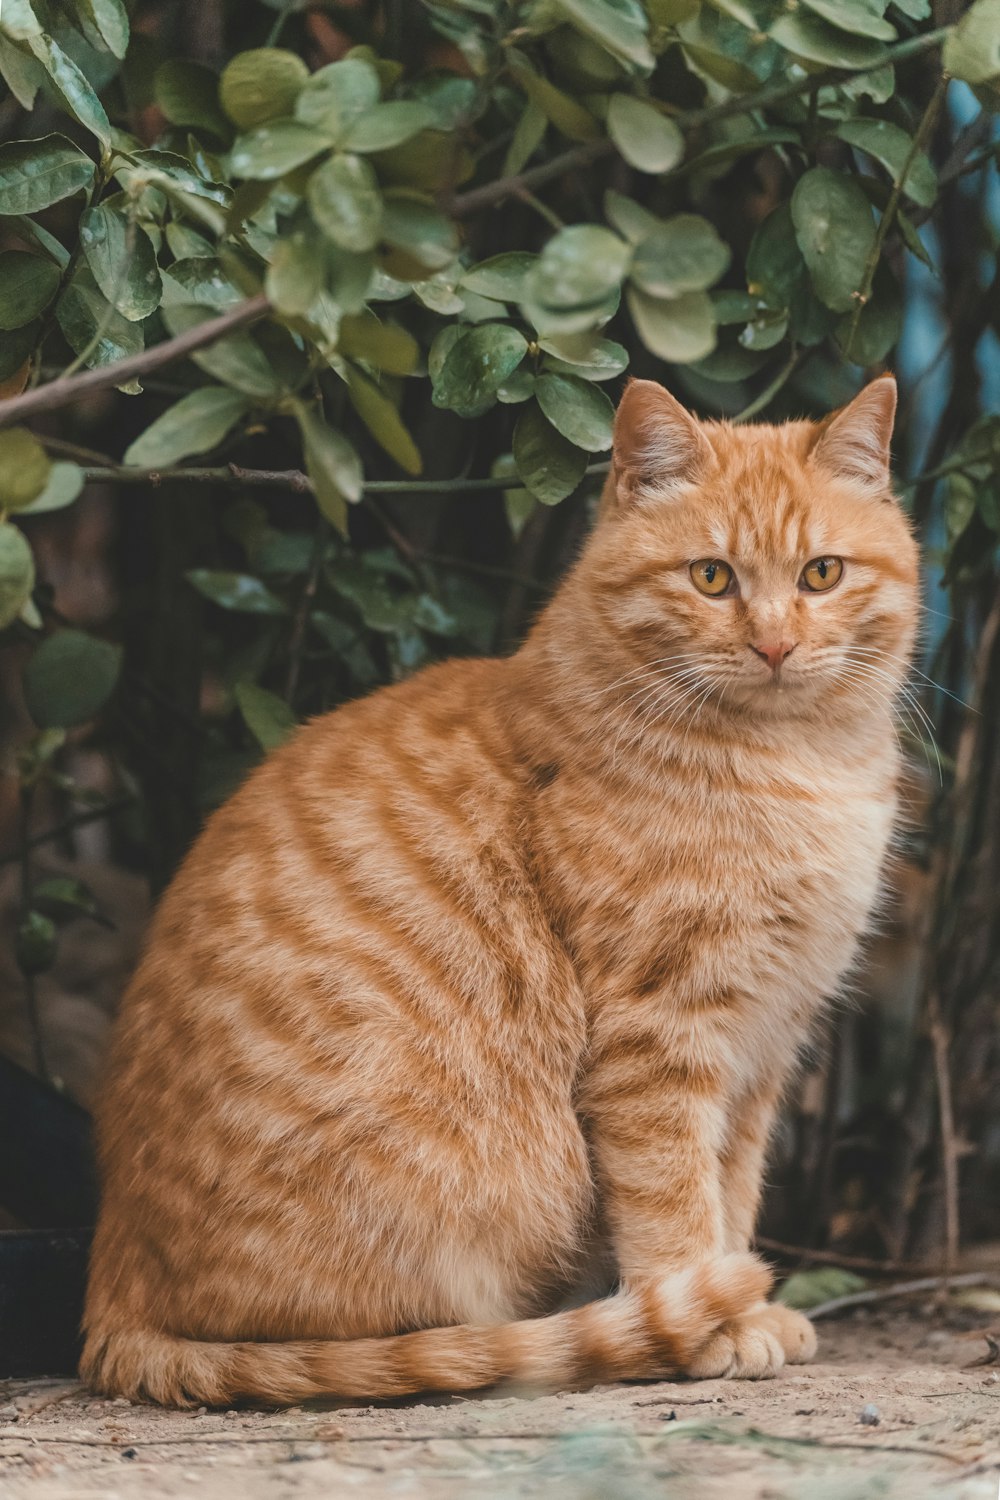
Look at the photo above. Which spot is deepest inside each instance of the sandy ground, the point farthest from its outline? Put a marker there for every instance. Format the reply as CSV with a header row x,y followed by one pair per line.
x,y
932,1430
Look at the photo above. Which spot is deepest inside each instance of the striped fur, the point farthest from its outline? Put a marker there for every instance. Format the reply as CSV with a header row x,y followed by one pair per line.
x,y
485,988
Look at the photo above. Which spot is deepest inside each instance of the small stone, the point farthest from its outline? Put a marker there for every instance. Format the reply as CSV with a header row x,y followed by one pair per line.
x,y
9,1412
869,1415
130,1453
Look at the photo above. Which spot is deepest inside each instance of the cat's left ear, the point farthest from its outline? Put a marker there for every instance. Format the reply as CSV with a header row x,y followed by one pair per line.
x,y
855,441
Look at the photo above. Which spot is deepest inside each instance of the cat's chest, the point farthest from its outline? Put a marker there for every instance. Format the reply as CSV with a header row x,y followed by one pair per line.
x,y
754,884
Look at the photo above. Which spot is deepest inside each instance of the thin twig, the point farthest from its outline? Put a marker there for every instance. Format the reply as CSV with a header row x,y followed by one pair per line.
x,y
920,138
297,639
61,392
26,796
946,1120
769,392
898,1289
75,820
847,1262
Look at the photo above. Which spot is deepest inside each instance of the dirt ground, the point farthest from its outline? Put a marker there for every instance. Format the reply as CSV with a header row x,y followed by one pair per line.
x,y
890,1411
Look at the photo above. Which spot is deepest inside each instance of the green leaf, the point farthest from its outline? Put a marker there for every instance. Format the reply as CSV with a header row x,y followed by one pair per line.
x,y
681,330
345,201
891,146
297,273
502,277
835,232
40,238
387,125
72,86
24,468
972,49
17,573
16,348
383,421
27,285
237,360
959,505
477,363
426,237
528,136
581,413
64,484
805,1289
517,387
648,140
548,465
621,26
268,717
584,355
110,20
62,896
856,16
95,330
202,280
337,95
333,465
813,40
564,112
685,254
122,261
34,174
188,94
239,592
20,72
632,221
194,424
271,150
71,676
35,943
261,85
386,345
579,267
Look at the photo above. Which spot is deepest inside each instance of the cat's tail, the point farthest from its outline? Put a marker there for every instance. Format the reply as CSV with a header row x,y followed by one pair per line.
x,y
632,1335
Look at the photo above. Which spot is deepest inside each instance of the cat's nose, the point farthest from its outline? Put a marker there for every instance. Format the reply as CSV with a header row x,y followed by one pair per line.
x,y
773,652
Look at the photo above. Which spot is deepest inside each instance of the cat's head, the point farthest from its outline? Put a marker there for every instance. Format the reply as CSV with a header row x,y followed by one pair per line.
x,y
767,568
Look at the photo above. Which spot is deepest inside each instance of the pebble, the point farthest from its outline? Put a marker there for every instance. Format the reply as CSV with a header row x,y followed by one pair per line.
x,y
9,1412
869,1415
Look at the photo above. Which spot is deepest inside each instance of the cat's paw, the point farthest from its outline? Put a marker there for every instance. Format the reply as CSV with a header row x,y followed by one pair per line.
x,y
755,1346
794,1332
742,1349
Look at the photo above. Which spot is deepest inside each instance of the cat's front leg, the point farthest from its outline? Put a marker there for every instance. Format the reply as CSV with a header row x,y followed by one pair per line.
x,y
749,1131
656,1115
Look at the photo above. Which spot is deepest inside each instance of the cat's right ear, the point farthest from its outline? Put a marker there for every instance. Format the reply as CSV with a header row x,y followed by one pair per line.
x,y
658,446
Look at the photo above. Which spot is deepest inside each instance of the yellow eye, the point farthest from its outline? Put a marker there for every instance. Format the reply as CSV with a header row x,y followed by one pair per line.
x,y
710,576
822,574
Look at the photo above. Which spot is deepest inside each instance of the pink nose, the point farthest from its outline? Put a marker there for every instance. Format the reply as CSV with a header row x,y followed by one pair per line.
x,y
773,652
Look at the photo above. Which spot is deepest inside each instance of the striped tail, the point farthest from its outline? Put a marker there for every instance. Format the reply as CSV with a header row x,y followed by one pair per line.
x,y
632,1335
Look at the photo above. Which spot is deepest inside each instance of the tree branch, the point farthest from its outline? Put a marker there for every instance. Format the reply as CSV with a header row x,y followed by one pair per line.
x,y
233,476
61,392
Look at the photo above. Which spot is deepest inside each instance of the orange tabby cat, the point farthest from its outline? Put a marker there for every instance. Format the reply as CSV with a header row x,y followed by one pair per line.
x,y
494,978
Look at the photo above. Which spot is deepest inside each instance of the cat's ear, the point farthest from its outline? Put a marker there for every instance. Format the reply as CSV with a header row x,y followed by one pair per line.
x,y
658,446
854,442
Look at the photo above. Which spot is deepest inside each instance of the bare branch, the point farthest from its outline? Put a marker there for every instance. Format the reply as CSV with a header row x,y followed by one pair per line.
x,y
61,392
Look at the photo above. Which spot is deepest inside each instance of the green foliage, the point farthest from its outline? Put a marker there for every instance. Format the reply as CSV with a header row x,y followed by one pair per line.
x,y
722,195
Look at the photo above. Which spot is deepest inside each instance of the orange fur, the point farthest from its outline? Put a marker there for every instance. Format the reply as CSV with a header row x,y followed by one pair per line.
x,y
501,970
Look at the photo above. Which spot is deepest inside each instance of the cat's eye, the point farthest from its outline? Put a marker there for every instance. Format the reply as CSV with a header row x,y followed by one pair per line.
x,y
822,573
712,577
